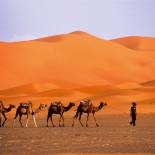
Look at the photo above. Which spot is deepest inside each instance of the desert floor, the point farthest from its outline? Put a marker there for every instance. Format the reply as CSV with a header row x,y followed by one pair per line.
x,y
114,136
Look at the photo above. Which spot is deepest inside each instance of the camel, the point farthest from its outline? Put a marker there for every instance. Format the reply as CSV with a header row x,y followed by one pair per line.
x,y
87,107
4,110
26,109
58,108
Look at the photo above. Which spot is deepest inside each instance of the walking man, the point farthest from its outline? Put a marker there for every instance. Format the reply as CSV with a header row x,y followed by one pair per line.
x,y
133,114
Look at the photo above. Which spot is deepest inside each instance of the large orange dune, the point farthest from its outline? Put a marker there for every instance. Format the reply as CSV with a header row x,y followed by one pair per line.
x,y
78,65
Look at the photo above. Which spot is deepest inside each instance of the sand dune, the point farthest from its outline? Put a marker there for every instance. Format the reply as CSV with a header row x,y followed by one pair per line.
x,y
137,43
79,59
149,83
78,65
28,89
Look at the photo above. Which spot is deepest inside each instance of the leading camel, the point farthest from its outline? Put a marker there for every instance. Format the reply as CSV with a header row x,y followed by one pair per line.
x,y
58,108
4,110
26,109
87,107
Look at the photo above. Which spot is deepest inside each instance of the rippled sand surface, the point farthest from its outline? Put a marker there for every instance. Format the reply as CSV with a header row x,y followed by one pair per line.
x,y
114,136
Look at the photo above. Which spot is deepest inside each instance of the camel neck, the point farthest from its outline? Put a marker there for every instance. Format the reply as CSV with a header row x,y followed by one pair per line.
x,y
98,108
8,109
67,108
2,105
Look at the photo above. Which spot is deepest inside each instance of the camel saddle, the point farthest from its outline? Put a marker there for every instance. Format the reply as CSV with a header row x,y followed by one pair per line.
x,y
24,105
86,103
58,104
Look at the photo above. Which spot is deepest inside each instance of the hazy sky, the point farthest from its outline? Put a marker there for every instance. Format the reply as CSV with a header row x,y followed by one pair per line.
x,y
28,19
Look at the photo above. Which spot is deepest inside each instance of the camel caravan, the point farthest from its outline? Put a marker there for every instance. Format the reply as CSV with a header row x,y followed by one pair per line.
x,y
85,106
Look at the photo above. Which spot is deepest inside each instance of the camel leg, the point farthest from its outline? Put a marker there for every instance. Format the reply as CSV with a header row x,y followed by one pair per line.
x,y
27,121
52,121
63,120
61,117
15,118
47,121
13,123
73,121
4,118
80,119
34,120
20,117
0,120
87,120
60,120
75,117
48,118
95,120
0,115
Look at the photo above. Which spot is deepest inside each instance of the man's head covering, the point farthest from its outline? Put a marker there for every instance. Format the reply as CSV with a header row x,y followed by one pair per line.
x,y
134,103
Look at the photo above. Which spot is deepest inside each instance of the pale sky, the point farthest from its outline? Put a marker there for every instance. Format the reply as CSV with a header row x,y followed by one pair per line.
x,y
28,19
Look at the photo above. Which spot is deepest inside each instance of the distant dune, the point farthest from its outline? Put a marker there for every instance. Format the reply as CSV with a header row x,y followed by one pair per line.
x,y
78,65
28,89
149,83
137,43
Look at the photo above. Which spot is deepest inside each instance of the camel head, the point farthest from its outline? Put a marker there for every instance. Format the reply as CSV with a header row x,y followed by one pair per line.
x,y
71,104
12,106
102,104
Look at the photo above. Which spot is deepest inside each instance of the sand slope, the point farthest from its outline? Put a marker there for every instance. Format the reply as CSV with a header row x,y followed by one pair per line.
x,y
72,60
